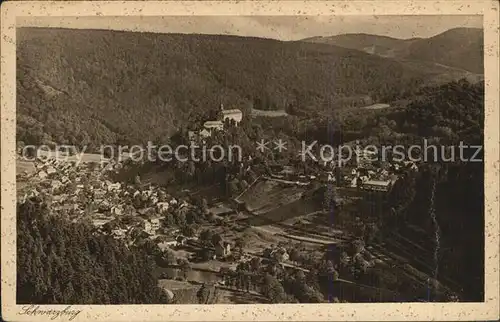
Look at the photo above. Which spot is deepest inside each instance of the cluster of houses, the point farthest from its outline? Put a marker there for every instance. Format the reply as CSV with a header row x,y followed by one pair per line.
x,y
57,178
279,254
140,216
368,179
129,212
365,174
362,170
124,211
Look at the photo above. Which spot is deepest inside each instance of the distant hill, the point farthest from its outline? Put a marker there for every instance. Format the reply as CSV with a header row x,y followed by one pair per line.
x,y
101,86
459,47
372,44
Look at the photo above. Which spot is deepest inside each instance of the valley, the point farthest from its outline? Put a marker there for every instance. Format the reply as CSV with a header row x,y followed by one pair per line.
x,y
270,226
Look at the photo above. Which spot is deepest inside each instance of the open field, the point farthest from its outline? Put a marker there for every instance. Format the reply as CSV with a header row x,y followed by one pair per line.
x,y
173,285
22,165
277,113
255,239
279,232
273,214
78,157
376,106
266,195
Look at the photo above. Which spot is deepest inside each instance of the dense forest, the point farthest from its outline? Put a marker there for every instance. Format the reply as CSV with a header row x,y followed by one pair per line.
x,y
97,87
453,190
59,262
444,114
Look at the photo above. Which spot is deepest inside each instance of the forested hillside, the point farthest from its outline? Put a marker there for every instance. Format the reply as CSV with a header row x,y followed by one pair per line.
x,y
452,190
65,263
459,47
95,86
373,44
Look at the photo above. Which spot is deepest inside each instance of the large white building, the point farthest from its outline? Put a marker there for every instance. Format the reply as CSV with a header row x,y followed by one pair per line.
x,y
232,114
210,125
377,185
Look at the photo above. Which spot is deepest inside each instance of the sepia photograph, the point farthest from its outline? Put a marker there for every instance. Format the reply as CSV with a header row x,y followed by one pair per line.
x,y
229,159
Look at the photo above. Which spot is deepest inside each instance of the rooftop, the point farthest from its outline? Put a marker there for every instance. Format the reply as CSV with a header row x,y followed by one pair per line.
x,y
232,111
378,182
220,210
213,124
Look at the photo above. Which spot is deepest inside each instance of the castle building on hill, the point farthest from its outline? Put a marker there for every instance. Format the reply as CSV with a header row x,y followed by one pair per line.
x,y
232,114
218,125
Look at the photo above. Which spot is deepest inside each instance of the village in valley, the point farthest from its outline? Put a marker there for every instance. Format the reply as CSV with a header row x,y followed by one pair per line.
x,y
274,220
212,162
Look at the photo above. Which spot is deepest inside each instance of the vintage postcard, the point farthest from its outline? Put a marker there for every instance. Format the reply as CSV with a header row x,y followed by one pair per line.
x,y
250,160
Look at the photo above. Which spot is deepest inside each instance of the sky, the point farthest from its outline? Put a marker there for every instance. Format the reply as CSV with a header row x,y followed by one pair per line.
x,y
276,27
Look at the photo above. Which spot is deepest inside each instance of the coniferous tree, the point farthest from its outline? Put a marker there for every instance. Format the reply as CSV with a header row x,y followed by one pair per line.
x,y
60,262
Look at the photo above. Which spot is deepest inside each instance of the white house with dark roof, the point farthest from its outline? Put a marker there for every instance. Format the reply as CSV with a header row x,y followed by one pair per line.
x,y
207,130
205,133
232,114
378,185
210,125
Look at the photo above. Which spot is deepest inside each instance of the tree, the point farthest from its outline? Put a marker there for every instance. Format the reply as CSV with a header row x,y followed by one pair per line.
x,y
371,232
344,259
20,146
189,230
65,262
206,237
169,257
300,276
267,252
169,219
313,295
312,278
191,168
151,248
240,244
204,206
228,275
295,255
357,246
207,254
335,275
273,289
207,294
180,218
216,239
185,266
255,264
